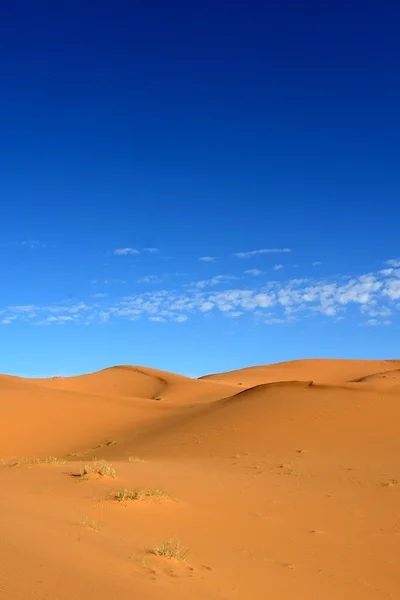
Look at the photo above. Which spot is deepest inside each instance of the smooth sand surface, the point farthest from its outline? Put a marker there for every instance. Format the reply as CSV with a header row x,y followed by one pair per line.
x,y
282,481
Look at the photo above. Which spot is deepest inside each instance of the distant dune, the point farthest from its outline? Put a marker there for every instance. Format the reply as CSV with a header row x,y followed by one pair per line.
x,y
283,480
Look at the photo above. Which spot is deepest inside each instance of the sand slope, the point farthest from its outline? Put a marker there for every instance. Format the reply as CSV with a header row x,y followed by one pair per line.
x,y
283,480
319,370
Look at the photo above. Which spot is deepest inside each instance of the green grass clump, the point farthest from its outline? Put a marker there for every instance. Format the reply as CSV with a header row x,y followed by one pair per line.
x,y
170,549
123,494
97,467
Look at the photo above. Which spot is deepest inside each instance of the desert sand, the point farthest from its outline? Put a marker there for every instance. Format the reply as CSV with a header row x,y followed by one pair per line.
x,y
280,481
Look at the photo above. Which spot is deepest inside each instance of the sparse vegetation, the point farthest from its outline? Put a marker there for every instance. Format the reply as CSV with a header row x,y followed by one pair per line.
x,y
97,467
49,460
53,460
90,524
170,549
135,459
123,494
158,397
103,444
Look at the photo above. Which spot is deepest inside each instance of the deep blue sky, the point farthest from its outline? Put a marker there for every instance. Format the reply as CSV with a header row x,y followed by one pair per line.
x,y
201,130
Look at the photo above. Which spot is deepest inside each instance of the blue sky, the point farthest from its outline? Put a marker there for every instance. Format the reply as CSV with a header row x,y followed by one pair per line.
x,y
198,188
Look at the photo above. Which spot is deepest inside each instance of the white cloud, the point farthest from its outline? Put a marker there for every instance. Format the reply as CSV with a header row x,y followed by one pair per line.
x,y
392,289
263,251
213,281
111,281
106,281
152,250
278,267
317,263
33,244
8,320
28,308
208,258
149,279
376,323
393,262
99,295
254,272
126,251
365,299
59,320
181,318
206,306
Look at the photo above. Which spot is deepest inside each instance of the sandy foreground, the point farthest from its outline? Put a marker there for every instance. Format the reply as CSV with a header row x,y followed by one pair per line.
x,y
281,481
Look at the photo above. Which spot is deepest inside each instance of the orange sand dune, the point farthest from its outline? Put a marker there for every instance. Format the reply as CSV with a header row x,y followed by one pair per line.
x,y
322,370
61,415
283,481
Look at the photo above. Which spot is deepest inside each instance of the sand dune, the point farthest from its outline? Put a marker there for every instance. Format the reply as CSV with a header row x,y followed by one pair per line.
x,y
320,370
282,480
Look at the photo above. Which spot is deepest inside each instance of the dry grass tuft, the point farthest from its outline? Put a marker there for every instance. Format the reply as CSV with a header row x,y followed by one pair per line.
x,y
53,460
97,467
135,459
170,549
90,524
48,460
123,495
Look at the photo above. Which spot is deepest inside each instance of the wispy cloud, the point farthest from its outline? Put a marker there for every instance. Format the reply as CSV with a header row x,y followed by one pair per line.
x,y
393,262
213,281
376,323
208,258
317,263
126,251
369,299
278,267
181,318
151,250
255,272
59,320
150,279
107,281
33,244
8,320
99,295
263,251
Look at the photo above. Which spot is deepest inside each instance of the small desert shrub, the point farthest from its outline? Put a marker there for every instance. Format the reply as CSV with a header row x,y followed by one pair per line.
x,y
90,524
97,467
171,549
158,398
49,460
27,461
105,443
53,460
123,494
